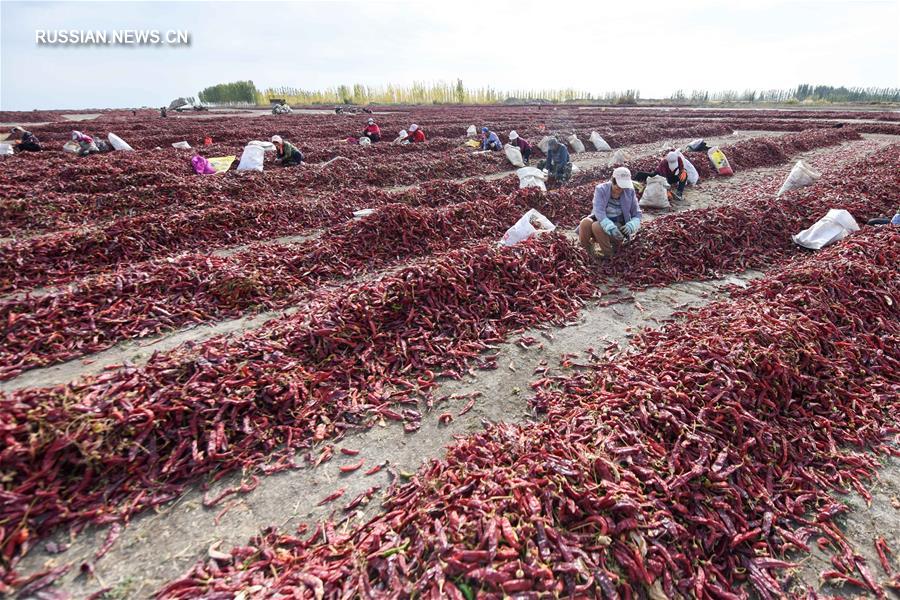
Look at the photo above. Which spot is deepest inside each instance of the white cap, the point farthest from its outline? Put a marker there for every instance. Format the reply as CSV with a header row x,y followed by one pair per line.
x,y
413,127
371,121
623,178
513,135
672,159
276,139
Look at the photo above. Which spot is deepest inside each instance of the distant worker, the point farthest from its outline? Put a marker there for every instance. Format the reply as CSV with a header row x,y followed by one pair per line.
x,y
616,216
522,144
672,168
415,134
286,153
162,111
85,143
557,163
372,131
28,142
490,140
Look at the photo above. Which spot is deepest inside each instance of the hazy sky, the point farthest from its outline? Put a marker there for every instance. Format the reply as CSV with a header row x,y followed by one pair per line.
x,y
656,47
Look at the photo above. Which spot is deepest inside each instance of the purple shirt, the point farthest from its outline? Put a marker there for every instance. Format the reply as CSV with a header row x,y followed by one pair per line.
x,y
627,202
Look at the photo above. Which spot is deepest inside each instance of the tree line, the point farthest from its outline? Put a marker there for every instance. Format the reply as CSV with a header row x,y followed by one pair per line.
x,y
443,92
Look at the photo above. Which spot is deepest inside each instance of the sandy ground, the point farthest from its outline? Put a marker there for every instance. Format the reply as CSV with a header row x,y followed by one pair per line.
x,y
156,547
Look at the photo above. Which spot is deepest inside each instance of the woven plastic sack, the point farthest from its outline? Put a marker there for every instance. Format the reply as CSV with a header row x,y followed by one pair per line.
x,y
514,155
599,143
118,143
617,158
575,144
801,175
181,145
719,161
835,225
252,158
528,225
532,177
655,193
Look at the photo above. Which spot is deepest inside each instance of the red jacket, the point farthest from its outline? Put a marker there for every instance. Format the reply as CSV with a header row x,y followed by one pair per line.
x,y
373,128
417,136
664,170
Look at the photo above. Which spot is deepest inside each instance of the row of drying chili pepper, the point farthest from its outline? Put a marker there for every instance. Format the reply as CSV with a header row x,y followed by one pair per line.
x,y
149,298
152,297
88,191
60,257
146,299
755,229
105,447
694,465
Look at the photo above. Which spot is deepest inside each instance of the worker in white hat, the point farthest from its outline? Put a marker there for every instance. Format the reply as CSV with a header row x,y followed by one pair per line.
x,y
372,131
286,154
522,144
616,216
415,134
672,168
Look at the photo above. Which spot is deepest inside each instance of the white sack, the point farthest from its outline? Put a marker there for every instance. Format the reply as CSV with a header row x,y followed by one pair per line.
x,y
6,149
71,147
599,143
252,158
181,145
514,155
118,143
525,228
655,193
575,144
692,175
532,177
617,158
801,175
471,131
544,144
834,226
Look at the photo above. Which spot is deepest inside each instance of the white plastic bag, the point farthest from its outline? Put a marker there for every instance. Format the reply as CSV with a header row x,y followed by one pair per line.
x,y
252,158
801,175
617,158
599,143
181,145
118,143
655,194
401,137
575,144
514,155
364,141
6,149
532,177
834,226
471,131
363,212
267,146
692,175
525,228
544,144
70,147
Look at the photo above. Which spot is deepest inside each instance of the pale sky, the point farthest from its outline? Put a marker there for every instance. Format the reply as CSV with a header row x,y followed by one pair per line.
x,y
656,47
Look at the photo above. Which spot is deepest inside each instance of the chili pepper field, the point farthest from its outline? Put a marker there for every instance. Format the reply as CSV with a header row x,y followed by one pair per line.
x,y
229,386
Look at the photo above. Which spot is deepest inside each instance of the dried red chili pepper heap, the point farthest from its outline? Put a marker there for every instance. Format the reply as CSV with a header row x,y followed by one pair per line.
x,y
690,466
105,447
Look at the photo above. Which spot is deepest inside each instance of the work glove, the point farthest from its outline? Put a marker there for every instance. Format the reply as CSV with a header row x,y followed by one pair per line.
x,y
631,227
611,230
